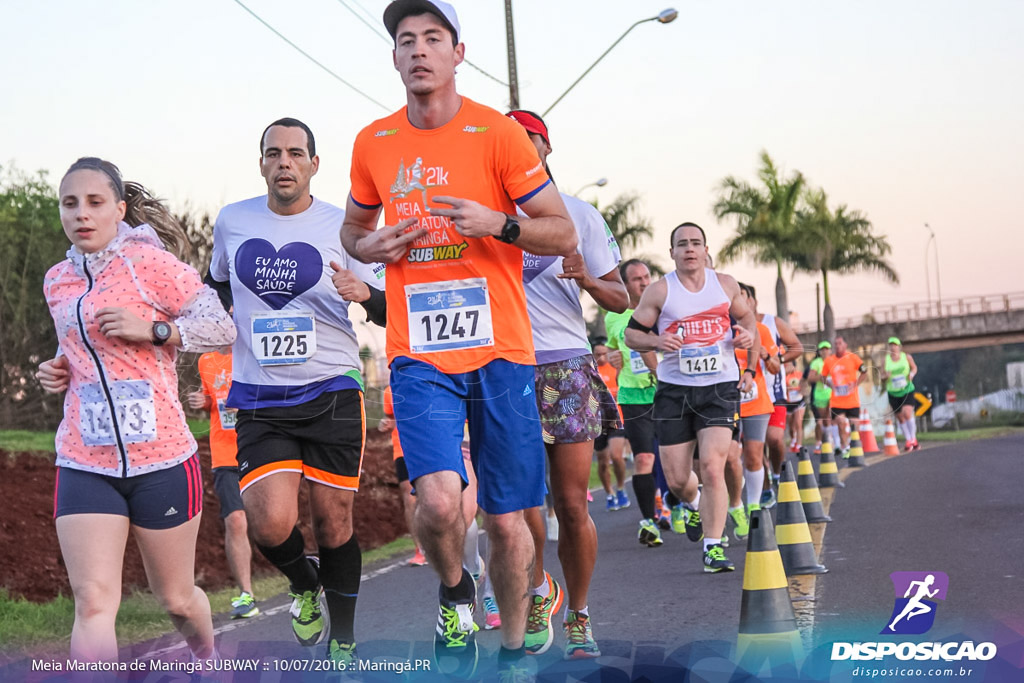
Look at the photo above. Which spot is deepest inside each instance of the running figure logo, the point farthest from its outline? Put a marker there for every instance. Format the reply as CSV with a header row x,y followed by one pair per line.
x,y
914,612
409,180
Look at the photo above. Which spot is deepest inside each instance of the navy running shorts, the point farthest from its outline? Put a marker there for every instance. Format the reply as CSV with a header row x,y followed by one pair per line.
x,y
162,499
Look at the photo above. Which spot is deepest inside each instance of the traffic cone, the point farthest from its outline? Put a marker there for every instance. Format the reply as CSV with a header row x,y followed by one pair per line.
x,y
867,433
828,472
889,445
810,497
792,533
855,457
767,623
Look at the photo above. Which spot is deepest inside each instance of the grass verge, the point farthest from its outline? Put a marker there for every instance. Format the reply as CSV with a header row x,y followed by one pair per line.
x,y
28,628
23,440
969,434
17,440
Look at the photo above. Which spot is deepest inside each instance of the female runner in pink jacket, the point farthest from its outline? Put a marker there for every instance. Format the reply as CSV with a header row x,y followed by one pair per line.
x,y
123,305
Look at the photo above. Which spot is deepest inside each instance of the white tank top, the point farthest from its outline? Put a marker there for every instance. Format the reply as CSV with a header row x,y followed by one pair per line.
x,y
775,383
702,319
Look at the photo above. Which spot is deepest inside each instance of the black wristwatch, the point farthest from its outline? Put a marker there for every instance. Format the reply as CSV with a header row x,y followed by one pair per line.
x,y
753,373
510,231
161,333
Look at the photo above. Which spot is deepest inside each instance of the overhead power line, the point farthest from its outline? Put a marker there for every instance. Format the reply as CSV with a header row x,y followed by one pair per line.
x,y
309,56
387,39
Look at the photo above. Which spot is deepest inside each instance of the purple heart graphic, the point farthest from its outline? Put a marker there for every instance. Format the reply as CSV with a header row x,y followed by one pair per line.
x,y
534,265
278,275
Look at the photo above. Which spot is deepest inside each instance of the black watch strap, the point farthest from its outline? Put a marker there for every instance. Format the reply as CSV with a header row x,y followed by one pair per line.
x,y
161,333
509,231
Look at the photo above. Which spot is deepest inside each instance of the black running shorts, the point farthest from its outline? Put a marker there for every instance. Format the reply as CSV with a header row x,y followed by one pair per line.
x,y
680,412
322,439
638,421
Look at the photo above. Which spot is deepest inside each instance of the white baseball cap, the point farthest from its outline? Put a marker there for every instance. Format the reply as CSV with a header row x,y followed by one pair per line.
x,y
400,9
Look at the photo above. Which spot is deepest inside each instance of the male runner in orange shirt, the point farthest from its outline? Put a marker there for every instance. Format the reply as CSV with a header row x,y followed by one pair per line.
x,y
844,371
448,174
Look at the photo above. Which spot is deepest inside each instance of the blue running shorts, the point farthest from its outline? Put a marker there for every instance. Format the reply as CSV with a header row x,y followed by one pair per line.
x,y
506,447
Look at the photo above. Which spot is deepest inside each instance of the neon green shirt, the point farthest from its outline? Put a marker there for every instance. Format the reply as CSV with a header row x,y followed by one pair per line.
x,y
636,381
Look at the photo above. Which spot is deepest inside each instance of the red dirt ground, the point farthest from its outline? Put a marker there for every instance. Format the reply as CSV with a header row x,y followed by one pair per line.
x,y
30,561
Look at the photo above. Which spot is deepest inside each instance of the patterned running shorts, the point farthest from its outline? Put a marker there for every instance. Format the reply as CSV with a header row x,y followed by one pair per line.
x,y
574,403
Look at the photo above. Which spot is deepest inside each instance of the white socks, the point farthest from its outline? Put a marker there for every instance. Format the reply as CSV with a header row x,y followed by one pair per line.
x,y
753,482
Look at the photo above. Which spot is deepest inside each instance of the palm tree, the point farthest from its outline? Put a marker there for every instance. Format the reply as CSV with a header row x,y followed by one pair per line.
x,y
764,221
839,242
629,228
631,231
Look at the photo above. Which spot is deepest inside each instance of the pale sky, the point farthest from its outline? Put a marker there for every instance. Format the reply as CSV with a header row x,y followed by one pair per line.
x,y
908,111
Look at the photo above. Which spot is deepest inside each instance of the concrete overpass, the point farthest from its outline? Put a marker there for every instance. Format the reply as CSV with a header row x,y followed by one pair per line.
x,y
933,326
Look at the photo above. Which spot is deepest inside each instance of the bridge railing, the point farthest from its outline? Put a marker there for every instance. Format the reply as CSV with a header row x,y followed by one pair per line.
x,y
928,310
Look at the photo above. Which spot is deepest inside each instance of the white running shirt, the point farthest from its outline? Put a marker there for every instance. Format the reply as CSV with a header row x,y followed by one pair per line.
x,y
295,340
556,313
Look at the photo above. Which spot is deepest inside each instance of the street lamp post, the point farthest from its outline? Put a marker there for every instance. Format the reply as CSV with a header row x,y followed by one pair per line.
x,y
938,277
664,17
600,182
513,75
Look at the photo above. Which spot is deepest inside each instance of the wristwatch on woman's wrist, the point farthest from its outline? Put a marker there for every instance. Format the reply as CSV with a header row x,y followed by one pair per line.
x,y
161,333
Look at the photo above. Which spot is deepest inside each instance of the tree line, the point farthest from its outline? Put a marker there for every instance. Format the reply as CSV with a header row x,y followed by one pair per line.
x,y
780,221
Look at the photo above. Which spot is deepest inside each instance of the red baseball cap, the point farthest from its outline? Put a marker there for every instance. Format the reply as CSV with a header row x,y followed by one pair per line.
x,y
531,122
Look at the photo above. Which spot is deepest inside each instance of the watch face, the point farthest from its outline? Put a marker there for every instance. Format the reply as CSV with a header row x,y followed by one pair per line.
x,y
162,331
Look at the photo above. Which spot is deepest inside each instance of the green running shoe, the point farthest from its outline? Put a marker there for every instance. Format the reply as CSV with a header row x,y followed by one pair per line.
x,y
342,655
715,560
694,529
307,616
244,606
649,534
455,650
579,639
679,518
539,634
742,524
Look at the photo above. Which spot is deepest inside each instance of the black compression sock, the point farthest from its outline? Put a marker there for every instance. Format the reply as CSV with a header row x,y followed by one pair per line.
x,y
643,488
671,500
339,573
290,558
461,592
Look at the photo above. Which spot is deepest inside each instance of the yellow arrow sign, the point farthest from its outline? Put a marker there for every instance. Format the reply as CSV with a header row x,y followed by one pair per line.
x,y
923,404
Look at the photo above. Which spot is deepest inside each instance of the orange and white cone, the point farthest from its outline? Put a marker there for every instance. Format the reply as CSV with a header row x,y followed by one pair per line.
x,y
867,433
889,445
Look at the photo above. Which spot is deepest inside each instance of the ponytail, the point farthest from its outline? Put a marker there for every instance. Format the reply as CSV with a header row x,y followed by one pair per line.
x,y
143,207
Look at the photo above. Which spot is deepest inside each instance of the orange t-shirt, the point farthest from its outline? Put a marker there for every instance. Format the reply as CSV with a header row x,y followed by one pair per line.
x,y
610,377
454,302
389,410
758,401
215,375
793,394
845,374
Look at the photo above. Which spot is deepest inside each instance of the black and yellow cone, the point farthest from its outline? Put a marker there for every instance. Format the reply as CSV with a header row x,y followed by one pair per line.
x,y
855,458
810,497
791,530
828,472
768,631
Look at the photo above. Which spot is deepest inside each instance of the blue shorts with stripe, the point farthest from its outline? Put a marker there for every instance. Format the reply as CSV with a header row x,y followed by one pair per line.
x,y
506,446
162,499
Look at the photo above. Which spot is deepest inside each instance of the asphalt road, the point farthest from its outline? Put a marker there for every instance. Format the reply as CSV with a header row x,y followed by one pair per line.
x,y
955,508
